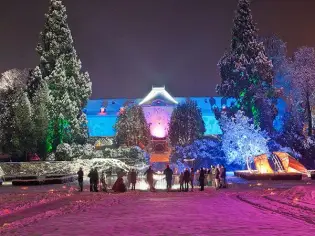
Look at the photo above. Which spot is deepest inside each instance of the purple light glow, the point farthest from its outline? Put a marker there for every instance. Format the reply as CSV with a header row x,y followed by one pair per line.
x,y
158,118
158,130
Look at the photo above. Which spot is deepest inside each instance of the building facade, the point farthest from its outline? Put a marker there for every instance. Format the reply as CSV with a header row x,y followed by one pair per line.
x,y
157,106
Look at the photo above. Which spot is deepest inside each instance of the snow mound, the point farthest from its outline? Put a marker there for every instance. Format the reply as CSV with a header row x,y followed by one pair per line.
x,y
1,172
62,167
102,165
306,193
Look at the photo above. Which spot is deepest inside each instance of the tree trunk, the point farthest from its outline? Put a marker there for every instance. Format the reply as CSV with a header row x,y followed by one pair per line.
x,y
309,115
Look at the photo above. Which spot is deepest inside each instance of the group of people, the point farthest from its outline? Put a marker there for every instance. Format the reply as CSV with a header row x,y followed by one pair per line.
x,y
94,180
215,176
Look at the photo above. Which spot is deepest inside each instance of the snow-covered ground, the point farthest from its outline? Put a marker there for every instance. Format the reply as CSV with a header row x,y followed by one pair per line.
x,y
245,208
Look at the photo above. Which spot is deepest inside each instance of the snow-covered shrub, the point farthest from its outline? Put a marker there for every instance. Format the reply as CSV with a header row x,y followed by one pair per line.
x,y
62,167
88,151
51,157
77,151
1,172
241,140
204,152
102,165
98,154
63,152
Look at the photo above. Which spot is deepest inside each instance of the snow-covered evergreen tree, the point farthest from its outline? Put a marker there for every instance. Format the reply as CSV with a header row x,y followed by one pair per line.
x,y
40,116
34,82
71,91
203,152
63,111
13,79
241,140
12,85
23,140
132,128
246,71
186,124
302,73
7,100
276,51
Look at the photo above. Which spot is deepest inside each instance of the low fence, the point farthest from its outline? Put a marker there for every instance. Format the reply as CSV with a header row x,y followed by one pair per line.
x,y
41,180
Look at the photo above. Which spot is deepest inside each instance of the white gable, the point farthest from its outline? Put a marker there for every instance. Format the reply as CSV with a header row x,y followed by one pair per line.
x,y
156,92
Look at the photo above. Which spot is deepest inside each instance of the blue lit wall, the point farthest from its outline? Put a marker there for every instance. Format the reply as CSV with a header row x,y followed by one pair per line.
x,y
101,125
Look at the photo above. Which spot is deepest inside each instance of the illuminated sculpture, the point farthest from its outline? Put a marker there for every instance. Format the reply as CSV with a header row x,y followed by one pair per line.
x,y
282,161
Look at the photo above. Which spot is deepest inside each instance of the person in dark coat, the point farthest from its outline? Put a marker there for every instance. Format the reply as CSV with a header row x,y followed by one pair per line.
x,y
169,177
91,176
149,173
186,179
202,179
119,186
181,182
95,180
192,178
223,176
133,179
217,177
80,179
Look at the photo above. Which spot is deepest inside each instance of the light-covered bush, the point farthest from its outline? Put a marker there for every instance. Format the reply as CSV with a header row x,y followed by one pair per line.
x,y
88,151
204,152
98,154
241,140
63,152
51,157
77,151
1,172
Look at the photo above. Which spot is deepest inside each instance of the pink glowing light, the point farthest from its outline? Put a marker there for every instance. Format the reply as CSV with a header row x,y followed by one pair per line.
x,y
158,131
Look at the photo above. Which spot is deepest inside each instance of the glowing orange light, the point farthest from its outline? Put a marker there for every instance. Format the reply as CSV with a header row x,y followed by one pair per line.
x,y
24,188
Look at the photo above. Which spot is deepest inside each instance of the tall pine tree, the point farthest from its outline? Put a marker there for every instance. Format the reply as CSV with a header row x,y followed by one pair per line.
x,y
132,128
23,136
186,124
246,71
61,68
41,101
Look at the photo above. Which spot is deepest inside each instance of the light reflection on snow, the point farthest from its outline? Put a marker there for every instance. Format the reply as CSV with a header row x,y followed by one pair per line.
x,y
159,182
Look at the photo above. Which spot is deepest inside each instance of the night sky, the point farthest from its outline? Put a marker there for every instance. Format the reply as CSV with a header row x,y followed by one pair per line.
x,y
129,45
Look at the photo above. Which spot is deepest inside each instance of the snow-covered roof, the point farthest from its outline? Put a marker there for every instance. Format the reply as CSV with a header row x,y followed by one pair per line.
x,y
158,92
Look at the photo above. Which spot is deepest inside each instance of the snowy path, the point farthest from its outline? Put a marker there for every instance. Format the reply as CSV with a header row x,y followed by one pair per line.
x,y
197,213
